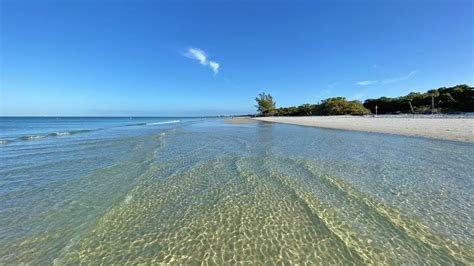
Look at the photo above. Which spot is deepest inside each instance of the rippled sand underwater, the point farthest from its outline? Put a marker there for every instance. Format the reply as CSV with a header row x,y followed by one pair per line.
x,y
258,193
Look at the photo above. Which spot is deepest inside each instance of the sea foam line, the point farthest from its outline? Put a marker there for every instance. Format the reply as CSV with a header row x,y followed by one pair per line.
x,y
32,137
162,123
54,134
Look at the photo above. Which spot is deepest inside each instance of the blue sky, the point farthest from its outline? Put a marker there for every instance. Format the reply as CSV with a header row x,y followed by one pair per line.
x,y
177,58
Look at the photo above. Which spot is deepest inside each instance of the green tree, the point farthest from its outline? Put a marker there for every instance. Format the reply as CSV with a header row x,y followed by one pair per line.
x,y
265,104
447,101
459,98
340,106
305,109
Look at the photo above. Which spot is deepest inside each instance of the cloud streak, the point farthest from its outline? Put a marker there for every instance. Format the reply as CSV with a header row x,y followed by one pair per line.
x,y
386,81
400,78
201,56
367,82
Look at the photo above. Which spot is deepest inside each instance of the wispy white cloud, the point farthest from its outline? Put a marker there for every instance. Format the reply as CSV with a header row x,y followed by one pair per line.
x,y
214,66
385,81
201,56
367,82
400,78
197,54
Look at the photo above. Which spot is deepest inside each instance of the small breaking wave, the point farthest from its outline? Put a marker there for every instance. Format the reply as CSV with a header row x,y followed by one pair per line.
x,y
67,133
55,134
32,137
3,142
155,123
162,123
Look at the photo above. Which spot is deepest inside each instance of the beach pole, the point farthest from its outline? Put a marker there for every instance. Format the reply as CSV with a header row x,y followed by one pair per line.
x,y
376,107
432,105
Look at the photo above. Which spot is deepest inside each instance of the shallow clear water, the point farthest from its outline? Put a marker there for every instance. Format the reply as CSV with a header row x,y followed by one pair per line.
x,y
198,190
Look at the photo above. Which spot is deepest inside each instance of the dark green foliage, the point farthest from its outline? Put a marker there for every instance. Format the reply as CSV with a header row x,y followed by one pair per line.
x,y
459,98
330,106
302,110
340,106
265,104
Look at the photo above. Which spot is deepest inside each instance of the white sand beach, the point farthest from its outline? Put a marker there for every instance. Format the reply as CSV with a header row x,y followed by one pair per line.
x,y
458,129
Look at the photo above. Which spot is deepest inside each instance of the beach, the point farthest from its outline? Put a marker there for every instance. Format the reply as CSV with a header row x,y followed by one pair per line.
x,y
456,129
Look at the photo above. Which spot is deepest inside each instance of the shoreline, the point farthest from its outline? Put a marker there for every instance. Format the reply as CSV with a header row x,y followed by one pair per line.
x,y
454,129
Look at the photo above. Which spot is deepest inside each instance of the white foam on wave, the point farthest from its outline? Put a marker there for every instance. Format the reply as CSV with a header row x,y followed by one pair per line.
x,y
32,137
60,133
3,141
162,123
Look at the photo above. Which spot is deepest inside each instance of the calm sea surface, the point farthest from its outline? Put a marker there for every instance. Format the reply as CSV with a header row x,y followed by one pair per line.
x,y
183,190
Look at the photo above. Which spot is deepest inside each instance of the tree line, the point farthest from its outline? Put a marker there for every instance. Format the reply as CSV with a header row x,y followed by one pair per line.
x,y
459,98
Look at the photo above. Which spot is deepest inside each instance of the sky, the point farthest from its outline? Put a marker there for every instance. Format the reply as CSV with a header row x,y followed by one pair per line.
x,y
194,58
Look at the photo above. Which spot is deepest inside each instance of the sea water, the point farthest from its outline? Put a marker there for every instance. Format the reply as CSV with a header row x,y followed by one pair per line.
x,y
191,190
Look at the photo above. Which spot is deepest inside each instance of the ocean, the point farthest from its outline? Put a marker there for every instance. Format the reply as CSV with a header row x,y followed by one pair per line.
x,y
191,190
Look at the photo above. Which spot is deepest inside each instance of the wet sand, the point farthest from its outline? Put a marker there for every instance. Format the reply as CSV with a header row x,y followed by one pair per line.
x,y
457,129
